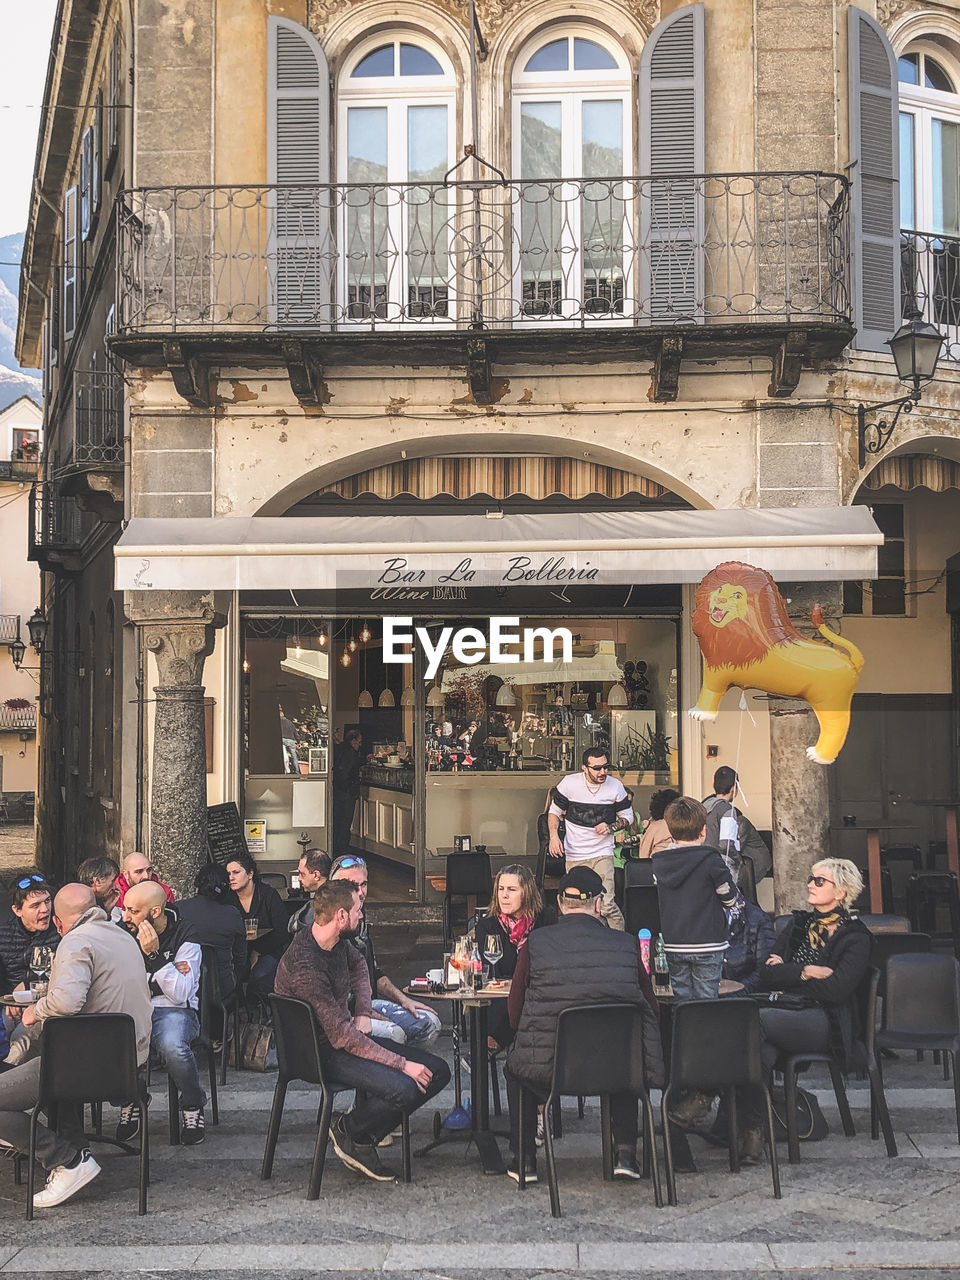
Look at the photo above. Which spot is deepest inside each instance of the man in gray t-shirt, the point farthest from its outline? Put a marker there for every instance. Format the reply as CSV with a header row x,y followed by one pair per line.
x,y
593,807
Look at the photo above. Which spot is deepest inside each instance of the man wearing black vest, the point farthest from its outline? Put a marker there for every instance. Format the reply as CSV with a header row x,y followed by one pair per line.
x,y
576,961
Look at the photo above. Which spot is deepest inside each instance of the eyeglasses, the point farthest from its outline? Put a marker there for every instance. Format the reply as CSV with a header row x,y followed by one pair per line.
x,y
599,768
820,881
27,881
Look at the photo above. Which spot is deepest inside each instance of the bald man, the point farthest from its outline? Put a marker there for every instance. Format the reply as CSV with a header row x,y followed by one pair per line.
x,y
95,970
137,868
173,970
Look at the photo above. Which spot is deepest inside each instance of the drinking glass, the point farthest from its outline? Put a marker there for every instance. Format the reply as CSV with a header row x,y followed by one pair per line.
x,y
252,923
41,961
493,952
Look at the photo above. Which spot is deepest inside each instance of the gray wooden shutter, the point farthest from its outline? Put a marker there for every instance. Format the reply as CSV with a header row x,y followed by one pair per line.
x,y
874,174
71,260
671,143
299,168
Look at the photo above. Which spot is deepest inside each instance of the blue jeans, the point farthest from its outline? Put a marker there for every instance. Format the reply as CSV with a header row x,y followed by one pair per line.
x,y
384,1092
174,1030
392,1022
261,979
695,975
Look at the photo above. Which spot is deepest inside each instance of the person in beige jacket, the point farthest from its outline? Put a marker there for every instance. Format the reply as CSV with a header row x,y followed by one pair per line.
x,y
97,969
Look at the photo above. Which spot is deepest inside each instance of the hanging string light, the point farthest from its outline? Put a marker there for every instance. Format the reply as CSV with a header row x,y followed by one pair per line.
x,y
322,637
365,633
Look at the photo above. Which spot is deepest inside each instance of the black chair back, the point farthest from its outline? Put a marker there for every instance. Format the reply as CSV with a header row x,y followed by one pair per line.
x,y
641,908
637,871
925,892
886,889
747,880
882,924
900,860
781,923
211,991
937,859
598,1050
923,995
469,876
298,1040
275,879
716,1043
886,945
89,1057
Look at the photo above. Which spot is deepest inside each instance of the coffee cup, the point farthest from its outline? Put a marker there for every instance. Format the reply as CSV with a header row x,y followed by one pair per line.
x,y
434,975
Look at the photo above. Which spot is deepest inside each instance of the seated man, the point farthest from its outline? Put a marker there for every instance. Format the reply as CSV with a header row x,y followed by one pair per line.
x,y
173,971
29,924
322,967
101,874
137,868
95,970
396,1016
576,961
314,869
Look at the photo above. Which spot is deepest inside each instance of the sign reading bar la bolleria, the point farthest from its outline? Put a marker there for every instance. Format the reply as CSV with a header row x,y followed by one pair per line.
x,y
518,568
507,643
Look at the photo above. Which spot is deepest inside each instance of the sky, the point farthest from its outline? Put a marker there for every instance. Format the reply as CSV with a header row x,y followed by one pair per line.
x,y
26,26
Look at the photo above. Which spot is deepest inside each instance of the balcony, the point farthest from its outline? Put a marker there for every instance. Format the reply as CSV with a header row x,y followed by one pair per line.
x,y
22,469
9,628
54,536
930,277
467,272
18,721
93,473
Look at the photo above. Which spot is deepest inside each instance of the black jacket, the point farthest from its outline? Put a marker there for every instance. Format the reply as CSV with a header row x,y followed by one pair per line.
x,y
267,905
579,961
693,887
491,924
218,925
751,937
847,953
16,947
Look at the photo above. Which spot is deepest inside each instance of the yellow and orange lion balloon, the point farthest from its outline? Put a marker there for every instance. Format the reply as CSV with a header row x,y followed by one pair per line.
x,y
748,642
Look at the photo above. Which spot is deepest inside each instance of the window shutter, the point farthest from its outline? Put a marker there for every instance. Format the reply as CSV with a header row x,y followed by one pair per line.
x,y
299,124
71,258
671,143
96,163
115,98
86,182
874,173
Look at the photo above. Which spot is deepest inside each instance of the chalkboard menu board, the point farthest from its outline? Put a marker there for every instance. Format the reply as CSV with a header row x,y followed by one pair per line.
x,y
224,832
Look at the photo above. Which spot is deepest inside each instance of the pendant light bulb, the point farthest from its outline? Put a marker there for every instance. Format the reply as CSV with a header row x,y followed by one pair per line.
x,y
365,633
352,644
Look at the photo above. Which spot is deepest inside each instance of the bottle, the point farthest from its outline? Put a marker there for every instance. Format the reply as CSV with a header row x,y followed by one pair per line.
x,y
661,970
644,935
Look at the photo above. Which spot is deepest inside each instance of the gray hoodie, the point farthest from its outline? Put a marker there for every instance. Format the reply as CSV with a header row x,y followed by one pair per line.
x,y
98,968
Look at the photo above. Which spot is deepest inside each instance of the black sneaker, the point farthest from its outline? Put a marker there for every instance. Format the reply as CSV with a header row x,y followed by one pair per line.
x,y
191,1135
513,1170
627,1166
129,1126
359,1155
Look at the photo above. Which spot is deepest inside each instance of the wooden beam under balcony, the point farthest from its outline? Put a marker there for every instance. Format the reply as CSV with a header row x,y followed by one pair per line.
x,y
788,364
666,368
191,376
305,372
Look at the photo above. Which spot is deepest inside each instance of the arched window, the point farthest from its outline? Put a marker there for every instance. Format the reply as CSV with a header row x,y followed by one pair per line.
x,y
929,142
572,120
396,131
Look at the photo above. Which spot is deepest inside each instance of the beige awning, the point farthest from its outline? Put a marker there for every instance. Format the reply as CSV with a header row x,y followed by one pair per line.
x,y
376,553
915,471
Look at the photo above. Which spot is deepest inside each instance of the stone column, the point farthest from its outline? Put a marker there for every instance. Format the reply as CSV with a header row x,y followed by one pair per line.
x,y
178,629
800,787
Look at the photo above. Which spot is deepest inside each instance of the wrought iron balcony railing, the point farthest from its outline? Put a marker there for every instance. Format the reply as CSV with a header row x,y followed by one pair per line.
x,y
21,720
21,469
643,251
54,526
98,417
930,277
9,628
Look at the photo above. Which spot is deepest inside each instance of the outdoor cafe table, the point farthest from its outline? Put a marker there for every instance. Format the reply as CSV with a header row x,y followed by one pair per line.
x,y
476,1005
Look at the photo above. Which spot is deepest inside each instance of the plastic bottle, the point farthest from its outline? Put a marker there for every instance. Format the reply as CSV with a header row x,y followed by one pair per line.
x,y
645,935
661,969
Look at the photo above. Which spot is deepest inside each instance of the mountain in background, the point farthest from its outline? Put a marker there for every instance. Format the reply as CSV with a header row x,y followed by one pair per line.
x,y
14,381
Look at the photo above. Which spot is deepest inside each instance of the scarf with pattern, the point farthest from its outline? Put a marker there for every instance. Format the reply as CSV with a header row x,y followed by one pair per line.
x,y
819,926
516,930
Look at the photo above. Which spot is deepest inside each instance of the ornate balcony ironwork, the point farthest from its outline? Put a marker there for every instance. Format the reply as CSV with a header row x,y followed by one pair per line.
x,y
9,628
54,534
98,418
930,277
20,720
590,253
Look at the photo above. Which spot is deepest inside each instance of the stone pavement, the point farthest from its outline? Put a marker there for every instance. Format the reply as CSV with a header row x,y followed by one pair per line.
x,y
846,1207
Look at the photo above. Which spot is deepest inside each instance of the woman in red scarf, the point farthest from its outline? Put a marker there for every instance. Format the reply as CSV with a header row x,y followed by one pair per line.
x,y
515,908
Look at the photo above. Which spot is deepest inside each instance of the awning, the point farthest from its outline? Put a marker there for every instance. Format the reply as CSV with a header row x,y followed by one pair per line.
x,y
261,553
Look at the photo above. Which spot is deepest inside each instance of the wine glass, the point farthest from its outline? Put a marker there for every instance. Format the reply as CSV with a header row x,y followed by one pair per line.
x,y
41,962
493,952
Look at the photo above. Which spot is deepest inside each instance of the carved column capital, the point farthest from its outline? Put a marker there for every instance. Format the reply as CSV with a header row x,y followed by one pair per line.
x,y
180,649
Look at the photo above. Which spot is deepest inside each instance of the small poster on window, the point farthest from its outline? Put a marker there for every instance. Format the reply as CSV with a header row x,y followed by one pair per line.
x,y
255,834
318,759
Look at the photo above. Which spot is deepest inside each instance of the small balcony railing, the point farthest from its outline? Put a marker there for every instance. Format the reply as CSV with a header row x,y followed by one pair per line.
x,y
20,469
98,417
54,523
21,720
9,628
684,250
930,277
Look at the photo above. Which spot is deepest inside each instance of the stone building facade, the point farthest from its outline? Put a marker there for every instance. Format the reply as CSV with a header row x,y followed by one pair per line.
x,y
316,258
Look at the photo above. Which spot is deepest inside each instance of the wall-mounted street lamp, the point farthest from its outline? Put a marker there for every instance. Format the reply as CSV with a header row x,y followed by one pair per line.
x,y
916,349
37,626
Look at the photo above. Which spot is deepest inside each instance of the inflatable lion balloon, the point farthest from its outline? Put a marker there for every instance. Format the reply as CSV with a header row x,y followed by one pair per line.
x,y
748,642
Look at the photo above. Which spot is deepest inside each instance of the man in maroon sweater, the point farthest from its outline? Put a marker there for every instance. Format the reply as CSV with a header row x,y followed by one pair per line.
x,y
322,967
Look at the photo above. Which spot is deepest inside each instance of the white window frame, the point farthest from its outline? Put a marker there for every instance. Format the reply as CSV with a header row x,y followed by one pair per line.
x,y
395,94
71,262
926,105
572,89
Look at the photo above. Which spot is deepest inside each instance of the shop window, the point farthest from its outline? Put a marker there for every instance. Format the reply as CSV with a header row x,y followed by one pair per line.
x,y
886,595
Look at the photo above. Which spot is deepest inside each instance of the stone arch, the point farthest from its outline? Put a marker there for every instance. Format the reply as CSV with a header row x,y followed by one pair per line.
x,y
475,443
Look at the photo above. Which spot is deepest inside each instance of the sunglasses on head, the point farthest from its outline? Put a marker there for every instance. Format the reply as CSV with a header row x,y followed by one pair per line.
x,y
820,881
348,863
27,881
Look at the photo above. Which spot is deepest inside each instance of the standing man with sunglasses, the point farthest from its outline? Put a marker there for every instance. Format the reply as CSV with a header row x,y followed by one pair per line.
x,y
594,807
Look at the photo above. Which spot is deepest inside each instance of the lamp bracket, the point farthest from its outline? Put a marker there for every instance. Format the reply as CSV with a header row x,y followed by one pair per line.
x,y
872,437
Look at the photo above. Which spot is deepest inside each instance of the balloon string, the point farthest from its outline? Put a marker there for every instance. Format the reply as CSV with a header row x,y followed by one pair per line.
x,y
736,759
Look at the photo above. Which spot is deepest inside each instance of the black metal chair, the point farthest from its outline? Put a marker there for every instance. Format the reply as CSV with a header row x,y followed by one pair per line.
x,y
900,860
641,908
90,1057
921,1011
747,880
468,876
637,871
598,1050
216,1010
298,1058
937,859
928,890
716,1046
791,1065
884,924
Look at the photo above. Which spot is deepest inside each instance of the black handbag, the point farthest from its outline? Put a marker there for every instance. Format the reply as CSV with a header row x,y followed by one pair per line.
x,y
784,1000
811,1123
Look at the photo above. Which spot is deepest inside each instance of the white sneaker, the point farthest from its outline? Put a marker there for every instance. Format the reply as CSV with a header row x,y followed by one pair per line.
x,y
64,1183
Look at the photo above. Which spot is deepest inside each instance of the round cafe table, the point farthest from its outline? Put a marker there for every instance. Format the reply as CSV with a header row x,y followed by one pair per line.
x,y
476,1005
